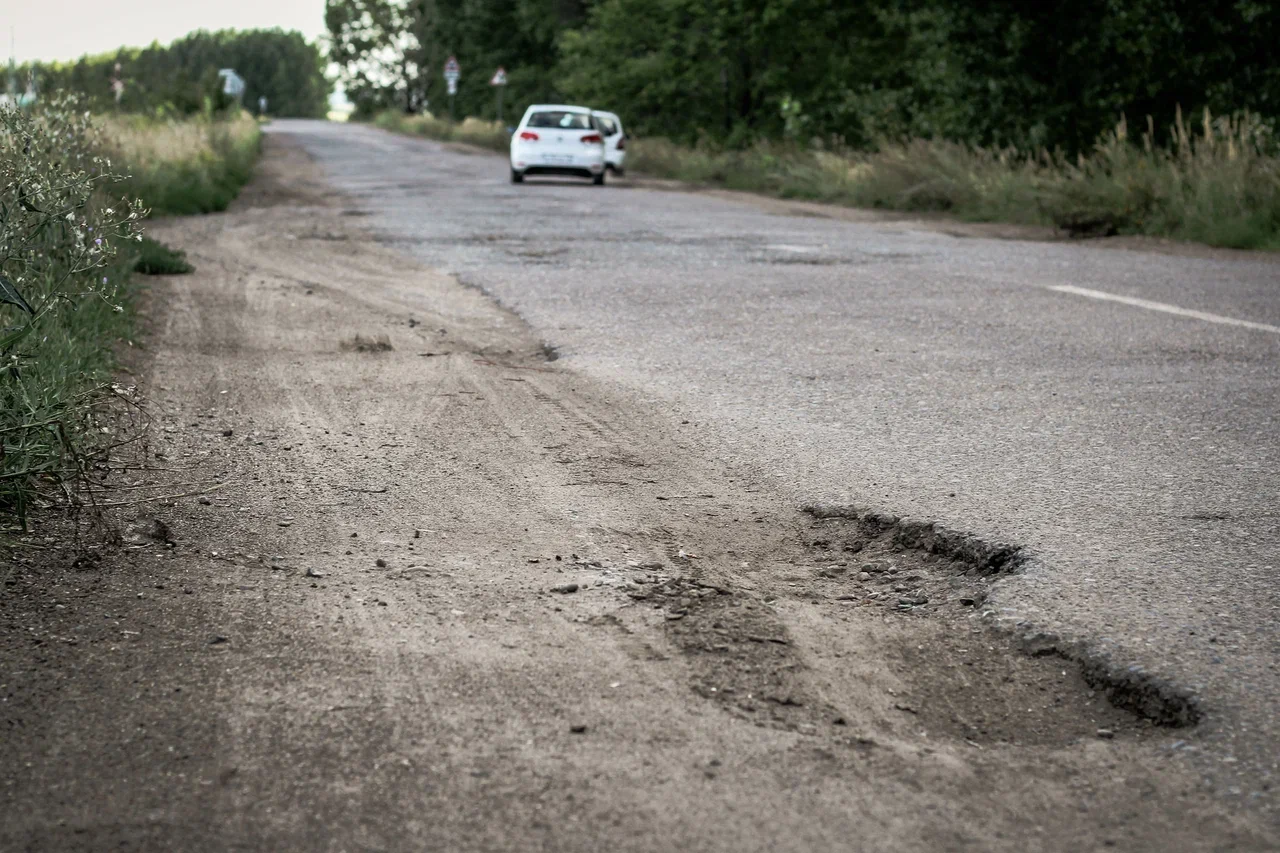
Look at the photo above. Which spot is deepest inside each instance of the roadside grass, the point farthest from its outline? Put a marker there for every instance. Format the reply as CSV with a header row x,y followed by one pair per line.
x,y
69,281
1217,183
155,258
56,424
472,131
185,167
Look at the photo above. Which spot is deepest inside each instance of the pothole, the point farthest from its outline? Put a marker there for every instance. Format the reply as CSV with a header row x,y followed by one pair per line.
x,y
906,565
922,570
855,625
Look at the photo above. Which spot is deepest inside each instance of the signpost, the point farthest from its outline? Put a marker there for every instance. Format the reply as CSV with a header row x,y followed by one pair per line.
x,y
498,81
117,85
452,71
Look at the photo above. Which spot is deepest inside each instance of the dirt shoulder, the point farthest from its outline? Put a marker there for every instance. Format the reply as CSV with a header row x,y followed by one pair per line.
x,y
443,593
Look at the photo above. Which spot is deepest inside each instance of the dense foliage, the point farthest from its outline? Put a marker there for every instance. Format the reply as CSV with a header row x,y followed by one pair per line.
x,y
390,53
182,78
738,71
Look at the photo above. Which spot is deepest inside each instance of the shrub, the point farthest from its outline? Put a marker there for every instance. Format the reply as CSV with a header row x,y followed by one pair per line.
x,y
62,295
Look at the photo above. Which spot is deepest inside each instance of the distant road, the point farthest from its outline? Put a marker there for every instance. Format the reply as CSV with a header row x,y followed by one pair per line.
x,y
1117,412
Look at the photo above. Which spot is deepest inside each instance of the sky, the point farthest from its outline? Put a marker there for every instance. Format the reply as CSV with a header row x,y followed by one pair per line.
x,y
66,29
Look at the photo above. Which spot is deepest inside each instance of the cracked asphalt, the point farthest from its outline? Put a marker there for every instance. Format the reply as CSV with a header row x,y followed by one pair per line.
x,y
1135,452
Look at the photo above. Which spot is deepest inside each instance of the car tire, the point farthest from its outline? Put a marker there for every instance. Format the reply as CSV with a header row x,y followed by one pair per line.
x,y
517,177
598,180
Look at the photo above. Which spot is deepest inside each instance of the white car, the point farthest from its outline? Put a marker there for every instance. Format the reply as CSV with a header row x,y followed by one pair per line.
x,y
554,139
615,141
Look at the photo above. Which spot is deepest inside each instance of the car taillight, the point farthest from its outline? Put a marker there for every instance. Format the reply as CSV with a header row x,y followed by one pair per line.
x,y
593,139
622,143
529,135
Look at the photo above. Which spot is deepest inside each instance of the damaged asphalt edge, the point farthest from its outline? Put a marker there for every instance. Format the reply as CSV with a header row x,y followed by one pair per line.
x,y
1130,687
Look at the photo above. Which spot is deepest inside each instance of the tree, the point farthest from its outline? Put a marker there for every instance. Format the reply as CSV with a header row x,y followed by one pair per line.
x,y
990,72
181,77
382,49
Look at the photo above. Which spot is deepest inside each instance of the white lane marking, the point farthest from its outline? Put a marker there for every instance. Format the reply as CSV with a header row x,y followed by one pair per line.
x,y
1165,307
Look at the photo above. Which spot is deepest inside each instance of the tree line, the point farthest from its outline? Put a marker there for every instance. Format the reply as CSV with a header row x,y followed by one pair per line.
x,y
182,77
989,72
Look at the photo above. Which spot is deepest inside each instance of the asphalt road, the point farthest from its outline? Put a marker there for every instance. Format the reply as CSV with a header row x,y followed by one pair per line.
x,y
987,385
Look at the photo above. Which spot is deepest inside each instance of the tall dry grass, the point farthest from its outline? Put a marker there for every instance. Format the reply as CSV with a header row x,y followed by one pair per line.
x,y
184,167
1217,182
472,131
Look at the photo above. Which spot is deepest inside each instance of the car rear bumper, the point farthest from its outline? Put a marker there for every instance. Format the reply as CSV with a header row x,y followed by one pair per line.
x,y
567,171
527,158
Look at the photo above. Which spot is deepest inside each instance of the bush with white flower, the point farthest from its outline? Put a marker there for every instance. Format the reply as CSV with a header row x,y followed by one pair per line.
x,y
64,238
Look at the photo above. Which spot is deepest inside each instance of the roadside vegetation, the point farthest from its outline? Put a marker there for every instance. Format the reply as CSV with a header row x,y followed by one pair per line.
x,y
184,167
472,131
1216,183
74,192
155,258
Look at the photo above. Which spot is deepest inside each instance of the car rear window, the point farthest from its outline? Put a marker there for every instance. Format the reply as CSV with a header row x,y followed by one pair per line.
x,y
562,120
608,125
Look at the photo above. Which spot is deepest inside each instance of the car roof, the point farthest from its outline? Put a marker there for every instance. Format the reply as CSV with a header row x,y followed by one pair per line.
x,y
561,108
606,114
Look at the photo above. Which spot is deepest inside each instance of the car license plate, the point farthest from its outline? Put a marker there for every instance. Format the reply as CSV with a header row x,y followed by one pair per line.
x,y
558,159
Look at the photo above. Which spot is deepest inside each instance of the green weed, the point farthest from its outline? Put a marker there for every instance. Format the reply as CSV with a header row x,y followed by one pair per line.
x,y
155,258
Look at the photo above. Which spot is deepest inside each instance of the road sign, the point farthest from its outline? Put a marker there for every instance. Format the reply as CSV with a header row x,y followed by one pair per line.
x,y
498,81
452,71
